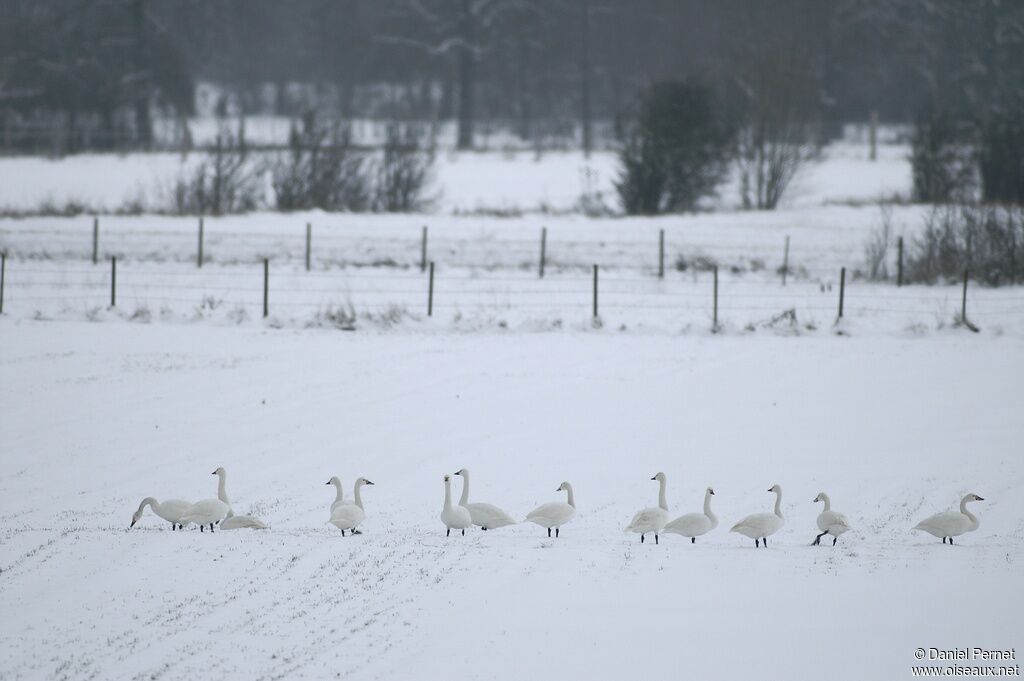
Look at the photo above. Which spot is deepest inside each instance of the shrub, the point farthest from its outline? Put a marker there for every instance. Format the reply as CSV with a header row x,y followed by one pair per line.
x,y
876,251
223,182
321,170
770,155
987,240
403,172
675,153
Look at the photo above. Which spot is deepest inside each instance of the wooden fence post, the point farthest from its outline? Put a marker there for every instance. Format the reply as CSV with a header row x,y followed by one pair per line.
x,y
661,254
430,290
423,250
3,271
543,248
595,291
266,287
842,290
309,243
899,262
785,261
714,313
963,307
199,256
95,240
113,281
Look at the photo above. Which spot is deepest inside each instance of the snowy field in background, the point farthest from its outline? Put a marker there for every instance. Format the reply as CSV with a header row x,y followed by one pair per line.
x,y
506,182
97,416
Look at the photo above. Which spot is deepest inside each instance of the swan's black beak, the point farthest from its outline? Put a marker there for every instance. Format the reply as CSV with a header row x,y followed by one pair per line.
x,y
368,482
712,492
655,477
213,473
132,525
328,482
980,499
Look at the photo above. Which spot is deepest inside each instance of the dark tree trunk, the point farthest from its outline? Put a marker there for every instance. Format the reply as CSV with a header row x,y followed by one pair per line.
x,y
586,120
143,122
467,76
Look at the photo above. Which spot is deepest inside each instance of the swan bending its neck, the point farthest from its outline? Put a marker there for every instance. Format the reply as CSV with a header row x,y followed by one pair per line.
x,y
571,500
825,500
662,502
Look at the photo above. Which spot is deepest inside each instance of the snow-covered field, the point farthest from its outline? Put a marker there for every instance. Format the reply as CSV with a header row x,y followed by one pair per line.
x,y
97,416
896,412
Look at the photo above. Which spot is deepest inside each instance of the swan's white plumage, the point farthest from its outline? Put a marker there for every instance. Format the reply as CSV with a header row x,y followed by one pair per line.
x,y
487,516
554,514
695,524
238,522
830,521
951,523
651,519
205,512
454,517
348,516
339,496
761,525
170,510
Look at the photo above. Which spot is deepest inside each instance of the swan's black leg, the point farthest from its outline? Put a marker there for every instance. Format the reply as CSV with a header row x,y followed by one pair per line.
x,y
463,531
449,532
950,541
556,533
203,529
549,533
757,542
693,540
355,531
343,533
641,539
834,540
483,528
211,527
764,542
943,540
817,540
655,537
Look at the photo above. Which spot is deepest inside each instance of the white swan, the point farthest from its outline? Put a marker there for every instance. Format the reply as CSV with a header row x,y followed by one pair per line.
x,y
693,525
348,516
760,526
829,521
454,517
205,512
339,497
556,513
240,522
171,511
951,523
651,519
487,516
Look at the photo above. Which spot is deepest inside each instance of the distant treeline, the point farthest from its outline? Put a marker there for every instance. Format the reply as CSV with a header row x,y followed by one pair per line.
x,y
96,73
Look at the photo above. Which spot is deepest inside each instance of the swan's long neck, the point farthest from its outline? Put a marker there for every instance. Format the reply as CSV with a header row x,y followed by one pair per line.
x,y
661,495
465,489
572,499
359,498
827,501
447,495
222,488
340,494
963,509
150,501
707,508
778,503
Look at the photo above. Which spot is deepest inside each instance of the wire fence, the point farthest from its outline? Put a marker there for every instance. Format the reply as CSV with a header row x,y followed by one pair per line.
x,y
710,297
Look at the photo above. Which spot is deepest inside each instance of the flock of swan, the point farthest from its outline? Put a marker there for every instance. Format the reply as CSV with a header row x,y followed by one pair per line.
x,y
348,515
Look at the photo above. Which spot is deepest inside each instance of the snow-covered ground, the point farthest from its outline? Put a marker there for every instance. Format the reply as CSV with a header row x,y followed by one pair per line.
x,y
97,416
